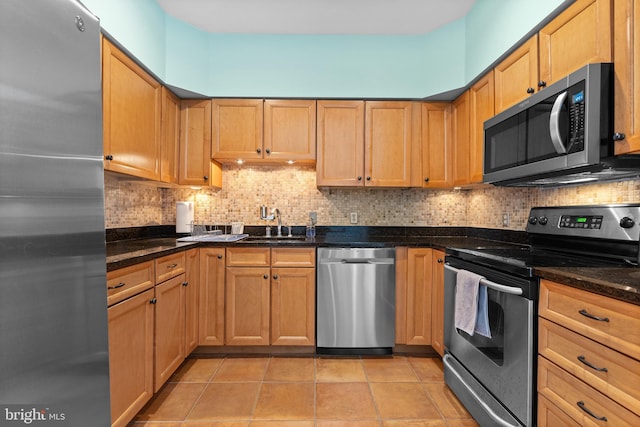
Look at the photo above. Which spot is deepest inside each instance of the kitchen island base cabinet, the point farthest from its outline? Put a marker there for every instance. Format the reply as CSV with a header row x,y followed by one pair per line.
x,y
131,356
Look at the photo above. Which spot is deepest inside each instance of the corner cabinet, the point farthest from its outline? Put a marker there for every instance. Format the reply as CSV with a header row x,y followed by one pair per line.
x,y
589,358
196,166
131,116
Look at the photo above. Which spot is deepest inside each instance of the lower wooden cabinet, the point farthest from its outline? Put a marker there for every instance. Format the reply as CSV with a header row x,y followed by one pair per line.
x,y
437,302
293,300
191,290
131,356
247,306
211,293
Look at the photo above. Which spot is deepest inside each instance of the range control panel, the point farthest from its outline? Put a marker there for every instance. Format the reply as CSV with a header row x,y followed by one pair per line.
x,y
616,222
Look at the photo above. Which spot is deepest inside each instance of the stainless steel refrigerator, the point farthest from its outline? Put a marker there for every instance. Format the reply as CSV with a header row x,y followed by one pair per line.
x,y
54,365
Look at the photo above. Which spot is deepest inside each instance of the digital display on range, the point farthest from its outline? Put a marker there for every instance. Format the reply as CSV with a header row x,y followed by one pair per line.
x,y
576,221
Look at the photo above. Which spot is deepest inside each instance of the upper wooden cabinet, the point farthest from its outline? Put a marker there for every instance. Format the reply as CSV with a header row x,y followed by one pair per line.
x,y
290,130
481,104
196,166
627,74
170,148
578,36
254,130
460,139
517,75
436,145
131,116
340,136
364,143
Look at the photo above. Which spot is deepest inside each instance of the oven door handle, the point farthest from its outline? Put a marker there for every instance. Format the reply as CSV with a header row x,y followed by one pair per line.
x,y
500,422
493,285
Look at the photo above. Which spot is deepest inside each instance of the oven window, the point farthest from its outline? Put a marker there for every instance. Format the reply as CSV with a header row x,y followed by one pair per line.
x,y
492,348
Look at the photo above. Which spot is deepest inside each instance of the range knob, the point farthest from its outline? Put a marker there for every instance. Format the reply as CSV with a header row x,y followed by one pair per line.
x,y
627,222
543,220
533,220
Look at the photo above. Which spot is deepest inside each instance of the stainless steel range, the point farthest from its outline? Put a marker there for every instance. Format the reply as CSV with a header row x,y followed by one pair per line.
x,y
493,371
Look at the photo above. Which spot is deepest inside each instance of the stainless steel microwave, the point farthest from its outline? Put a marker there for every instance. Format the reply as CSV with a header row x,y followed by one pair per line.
x,y
562,134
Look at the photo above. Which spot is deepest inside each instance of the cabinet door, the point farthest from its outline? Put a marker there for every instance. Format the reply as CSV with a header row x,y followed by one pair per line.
x,y
482,108
247,306
293,306
436,145
130,356
388,141
131,116
578,36
195,144
340,136
192,280
170,149
627,72
169,329
437,302
419,278
211,301
290,130
517,76
460,139
237,129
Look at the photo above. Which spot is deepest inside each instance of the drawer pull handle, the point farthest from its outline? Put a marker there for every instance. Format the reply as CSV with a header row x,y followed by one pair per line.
x,y
585,313
172,265
119,285
589,364
185,283
582,406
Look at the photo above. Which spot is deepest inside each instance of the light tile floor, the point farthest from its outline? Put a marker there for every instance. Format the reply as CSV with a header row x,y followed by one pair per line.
x,y
306,392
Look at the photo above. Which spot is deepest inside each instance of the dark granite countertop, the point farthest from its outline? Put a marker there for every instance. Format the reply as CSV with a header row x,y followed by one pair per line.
x,y
619,283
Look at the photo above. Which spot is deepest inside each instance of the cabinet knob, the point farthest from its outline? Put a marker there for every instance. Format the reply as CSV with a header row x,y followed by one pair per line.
x,y
542,83
108,157
153,301
359,178
266,276
258,150
530,90
618,136
219,256
275,277
185,283
440,261
206,178
426,179
368,178
268,151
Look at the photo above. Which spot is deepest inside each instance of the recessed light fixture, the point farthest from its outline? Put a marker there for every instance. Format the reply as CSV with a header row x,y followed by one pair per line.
x,y
195,187
239,161
290,162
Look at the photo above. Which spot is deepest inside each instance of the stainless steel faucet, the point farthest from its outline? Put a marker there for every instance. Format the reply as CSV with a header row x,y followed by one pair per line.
x,y
275,213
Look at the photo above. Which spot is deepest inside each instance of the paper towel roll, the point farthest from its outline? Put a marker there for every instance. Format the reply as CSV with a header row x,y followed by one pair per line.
x,y
184,217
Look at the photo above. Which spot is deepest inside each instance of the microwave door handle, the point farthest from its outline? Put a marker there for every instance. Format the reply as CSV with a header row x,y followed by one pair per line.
x,y
554,124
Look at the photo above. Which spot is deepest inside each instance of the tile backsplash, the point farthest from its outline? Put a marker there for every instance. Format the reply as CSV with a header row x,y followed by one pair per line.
x,y
292,189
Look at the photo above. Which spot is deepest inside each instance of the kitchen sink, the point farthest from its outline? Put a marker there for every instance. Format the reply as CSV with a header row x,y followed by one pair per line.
x,y
214,238
275,239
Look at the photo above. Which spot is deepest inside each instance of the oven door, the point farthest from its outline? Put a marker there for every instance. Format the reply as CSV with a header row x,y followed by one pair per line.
x,y
493,377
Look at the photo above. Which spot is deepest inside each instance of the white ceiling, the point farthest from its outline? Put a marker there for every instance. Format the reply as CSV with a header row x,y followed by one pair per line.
x,y
317,16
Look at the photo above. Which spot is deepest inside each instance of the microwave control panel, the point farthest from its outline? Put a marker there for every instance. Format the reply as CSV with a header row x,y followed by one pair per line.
x,y
576,117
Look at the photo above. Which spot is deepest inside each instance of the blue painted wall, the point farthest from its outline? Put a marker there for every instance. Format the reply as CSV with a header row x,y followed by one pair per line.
x,y
348,66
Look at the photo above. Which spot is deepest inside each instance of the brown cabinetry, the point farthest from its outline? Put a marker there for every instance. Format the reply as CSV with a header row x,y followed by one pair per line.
x,y
627,74
131,116
589,362
481,104
460,139
211,296
170,149
437,151
130,356
419,297
290,130
516,77
191,292
196,166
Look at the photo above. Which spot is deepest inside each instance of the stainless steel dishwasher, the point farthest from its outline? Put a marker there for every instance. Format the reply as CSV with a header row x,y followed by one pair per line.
x,y
356,296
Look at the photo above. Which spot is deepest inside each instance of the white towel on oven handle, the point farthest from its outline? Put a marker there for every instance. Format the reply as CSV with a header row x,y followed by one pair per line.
x,y
482,319
466,301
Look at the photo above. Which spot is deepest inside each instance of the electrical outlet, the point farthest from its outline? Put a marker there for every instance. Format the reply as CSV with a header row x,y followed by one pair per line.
x,y
506,220
313,216
354,217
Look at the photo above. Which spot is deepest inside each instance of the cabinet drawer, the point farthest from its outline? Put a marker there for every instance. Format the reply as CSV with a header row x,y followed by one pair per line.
x,y
619,324
248,257
128,281
293,257
169,266
549,415
604,369
577,399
